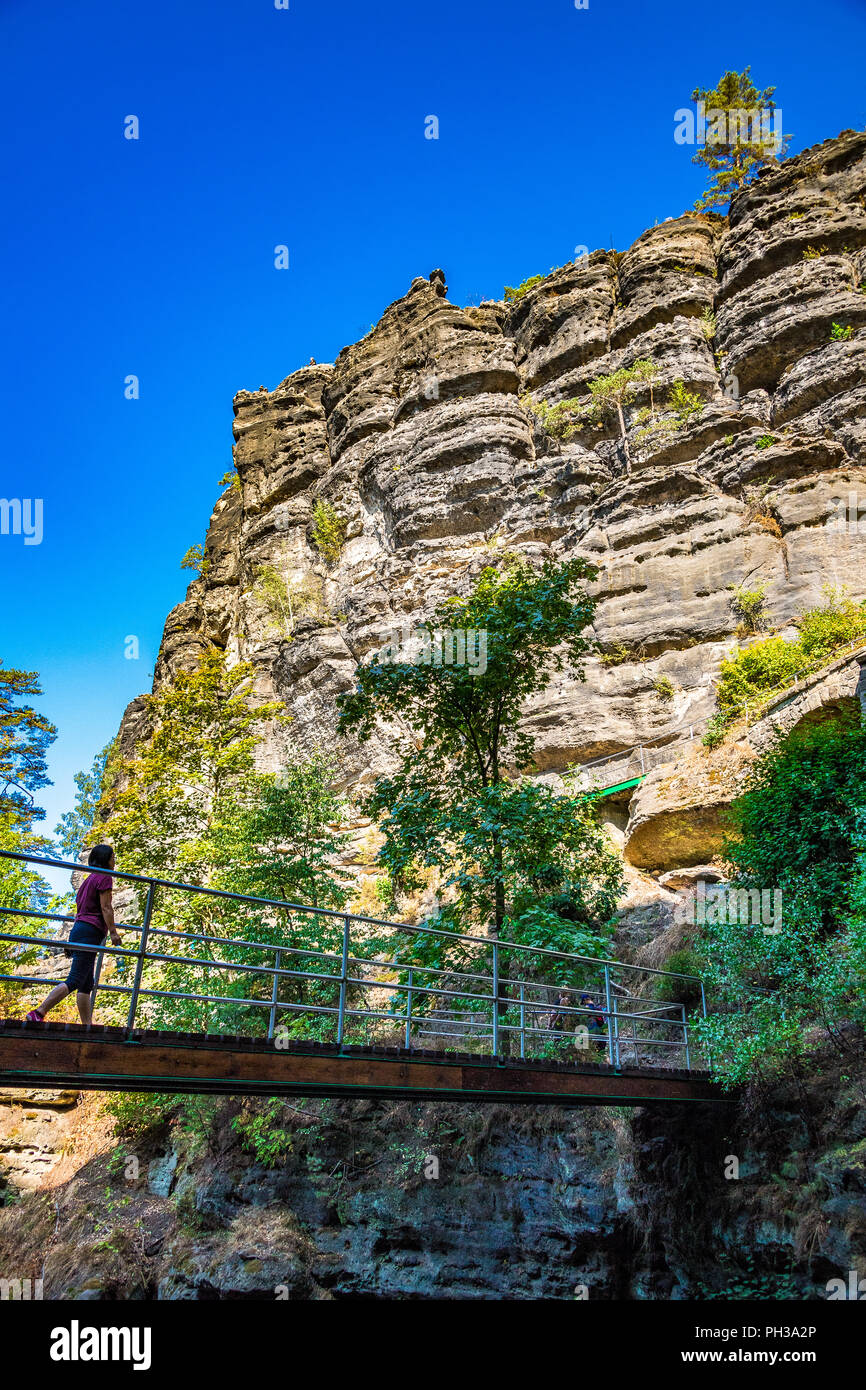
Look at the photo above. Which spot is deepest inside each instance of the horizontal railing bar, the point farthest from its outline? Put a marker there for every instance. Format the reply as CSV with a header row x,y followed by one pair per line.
x,y
334,913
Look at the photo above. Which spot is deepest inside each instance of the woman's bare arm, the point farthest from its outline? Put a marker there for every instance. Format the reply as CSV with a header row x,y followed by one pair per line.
x,y
108,916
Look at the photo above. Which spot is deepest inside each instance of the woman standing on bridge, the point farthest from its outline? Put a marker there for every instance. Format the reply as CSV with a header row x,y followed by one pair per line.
x,y
94,918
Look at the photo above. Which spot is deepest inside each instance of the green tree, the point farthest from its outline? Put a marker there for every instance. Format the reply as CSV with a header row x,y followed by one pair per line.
x,y
157,808
74,827
510,852
800,829
609,396
738,144
25,737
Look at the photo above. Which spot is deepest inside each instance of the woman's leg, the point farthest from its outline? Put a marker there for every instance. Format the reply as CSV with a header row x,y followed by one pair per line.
x,y
59,992
85,1008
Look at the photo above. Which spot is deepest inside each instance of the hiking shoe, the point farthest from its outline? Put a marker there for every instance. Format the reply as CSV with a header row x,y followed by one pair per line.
x,y
35,1016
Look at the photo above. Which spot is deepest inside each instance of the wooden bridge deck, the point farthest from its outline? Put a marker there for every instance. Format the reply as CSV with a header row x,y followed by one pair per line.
x,y
67,1055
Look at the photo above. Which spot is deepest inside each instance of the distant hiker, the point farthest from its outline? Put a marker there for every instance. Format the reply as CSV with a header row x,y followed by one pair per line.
x,y
558,1016
594,1024
94,918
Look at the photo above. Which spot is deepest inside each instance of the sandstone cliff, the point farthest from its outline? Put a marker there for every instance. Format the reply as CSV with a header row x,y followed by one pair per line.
x,y
418,439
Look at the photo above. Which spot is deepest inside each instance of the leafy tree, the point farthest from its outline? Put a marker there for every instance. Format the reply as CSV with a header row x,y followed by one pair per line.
x,y
156,808
511,853
25,737
800,828
329,532
735,150
74,827
610,394
195,559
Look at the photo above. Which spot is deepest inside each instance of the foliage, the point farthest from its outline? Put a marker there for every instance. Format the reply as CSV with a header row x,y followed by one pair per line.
x,y
74,827
688,992
813,253
287,600
514,856
686,405
231,478
799,829
766,441
840,333
715,731
195,559
758,670
204,730
329,531
733,161
25,737
748,606
561,420
664,687
513,293
708,324
262,1134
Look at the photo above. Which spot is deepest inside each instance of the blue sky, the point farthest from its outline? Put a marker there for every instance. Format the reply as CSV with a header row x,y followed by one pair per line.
x,y
303,127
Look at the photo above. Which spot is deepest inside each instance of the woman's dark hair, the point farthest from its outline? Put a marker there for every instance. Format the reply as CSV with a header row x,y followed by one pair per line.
x,y
100,856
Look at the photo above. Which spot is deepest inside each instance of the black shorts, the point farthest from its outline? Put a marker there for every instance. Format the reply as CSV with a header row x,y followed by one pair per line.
x,y
80,976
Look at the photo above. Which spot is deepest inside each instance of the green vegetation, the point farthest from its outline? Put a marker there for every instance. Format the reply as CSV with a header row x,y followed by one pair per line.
x,y
25,737
708,324
329,532
753,674
733,155
686,405
799,829
562,420
287,600
192,807
813,253
748,606
513,856
195,559
74,827
232,479
766,441
513,293
840,333
664,687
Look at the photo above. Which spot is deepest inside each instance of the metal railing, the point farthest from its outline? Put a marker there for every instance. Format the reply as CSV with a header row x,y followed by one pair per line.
x,y
640,758
350,979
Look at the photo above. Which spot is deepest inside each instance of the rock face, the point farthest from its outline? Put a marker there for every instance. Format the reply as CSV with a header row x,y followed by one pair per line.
x,y
418,438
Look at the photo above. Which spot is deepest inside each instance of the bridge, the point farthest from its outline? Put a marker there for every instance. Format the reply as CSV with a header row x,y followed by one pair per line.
x,y
227,993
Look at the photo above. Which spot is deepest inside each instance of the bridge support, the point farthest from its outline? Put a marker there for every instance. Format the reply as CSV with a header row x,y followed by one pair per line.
x,y
108,1059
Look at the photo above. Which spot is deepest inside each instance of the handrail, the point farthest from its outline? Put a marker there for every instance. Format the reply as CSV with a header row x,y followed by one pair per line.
x,y
493,1003
284,905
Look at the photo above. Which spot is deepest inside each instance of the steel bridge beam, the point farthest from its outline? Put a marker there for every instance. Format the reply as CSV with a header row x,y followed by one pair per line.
x,y
58,1055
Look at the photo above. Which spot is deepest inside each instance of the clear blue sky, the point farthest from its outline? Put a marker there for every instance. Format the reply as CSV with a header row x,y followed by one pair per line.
x,y
305,127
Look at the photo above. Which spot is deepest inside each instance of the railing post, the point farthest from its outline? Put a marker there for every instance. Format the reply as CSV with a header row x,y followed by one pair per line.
x,y
522,1021
409,1011
97,971
496,998
272,1017
610,1006
686,1037
344,974
142,950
